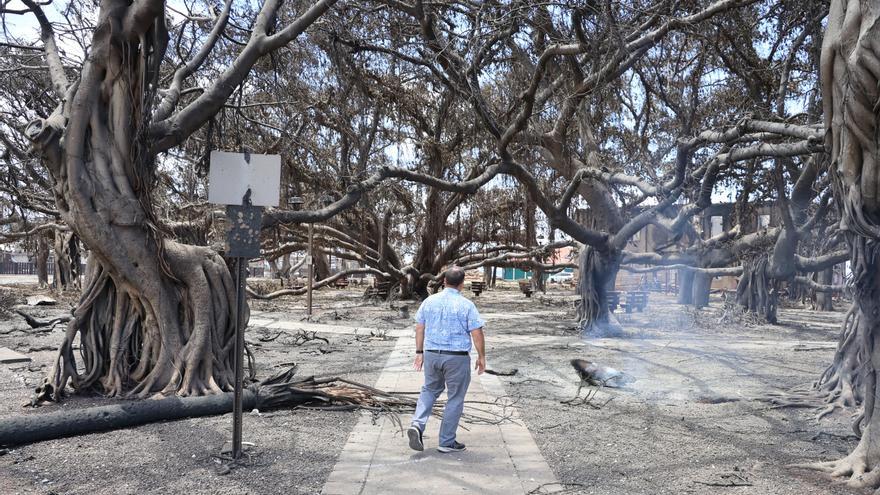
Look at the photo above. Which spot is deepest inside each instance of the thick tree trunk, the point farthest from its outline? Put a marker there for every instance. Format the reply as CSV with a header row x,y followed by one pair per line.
x,y
425,260
702,286
685,287
412,287
154,335
850,92
824,301
41,258
757,292
538,279
531,239
855,366
67,260
279,268
419,289
284,272
598,271
155,315
322,266
274,269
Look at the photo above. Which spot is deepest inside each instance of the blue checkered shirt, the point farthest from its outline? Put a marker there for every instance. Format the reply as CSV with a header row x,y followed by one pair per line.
x,y
449,319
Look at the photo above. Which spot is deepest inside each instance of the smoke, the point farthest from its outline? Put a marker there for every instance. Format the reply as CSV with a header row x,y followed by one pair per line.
x,y
646,352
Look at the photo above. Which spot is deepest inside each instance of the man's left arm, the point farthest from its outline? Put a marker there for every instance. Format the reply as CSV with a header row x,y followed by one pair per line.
x,y
480,344
420,347
475,328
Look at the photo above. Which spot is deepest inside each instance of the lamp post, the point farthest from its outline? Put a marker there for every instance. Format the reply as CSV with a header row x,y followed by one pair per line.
x,y
325,200
296,203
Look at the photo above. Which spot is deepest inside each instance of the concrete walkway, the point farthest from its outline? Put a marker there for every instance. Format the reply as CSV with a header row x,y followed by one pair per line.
x,y
500,458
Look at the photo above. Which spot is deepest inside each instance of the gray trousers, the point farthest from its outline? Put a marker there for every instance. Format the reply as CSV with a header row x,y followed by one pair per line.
x,y
452,373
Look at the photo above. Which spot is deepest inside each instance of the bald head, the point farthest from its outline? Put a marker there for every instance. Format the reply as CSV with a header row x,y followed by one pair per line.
x,y
453,277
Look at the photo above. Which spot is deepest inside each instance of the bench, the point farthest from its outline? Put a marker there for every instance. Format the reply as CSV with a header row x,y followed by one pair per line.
x,y
613,300
477,288
637,300
525,286
340,283
378,291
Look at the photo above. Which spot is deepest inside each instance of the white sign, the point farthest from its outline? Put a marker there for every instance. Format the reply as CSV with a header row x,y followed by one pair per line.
x,y
232,174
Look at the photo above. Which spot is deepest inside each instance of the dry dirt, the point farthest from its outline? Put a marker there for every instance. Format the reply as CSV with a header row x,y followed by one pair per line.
x,y
294,450
692,422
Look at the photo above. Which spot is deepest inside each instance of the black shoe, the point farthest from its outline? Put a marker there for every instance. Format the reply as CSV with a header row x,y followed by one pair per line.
x,y
455,447
415,438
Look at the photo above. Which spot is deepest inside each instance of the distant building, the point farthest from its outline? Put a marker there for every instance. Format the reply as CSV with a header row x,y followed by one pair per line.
x,y
713,221
515,274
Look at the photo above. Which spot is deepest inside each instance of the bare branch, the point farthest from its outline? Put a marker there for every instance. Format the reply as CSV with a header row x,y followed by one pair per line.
x,y
820,263
317,285
173,130
173,93
53,57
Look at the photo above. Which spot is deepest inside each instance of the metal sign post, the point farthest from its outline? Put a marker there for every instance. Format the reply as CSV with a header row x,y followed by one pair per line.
x,y
243,243
245,183
237,410
311,270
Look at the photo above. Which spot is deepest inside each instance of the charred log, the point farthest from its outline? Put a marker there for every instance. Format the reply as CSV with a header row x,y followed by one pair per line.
x,y
36,323
280,391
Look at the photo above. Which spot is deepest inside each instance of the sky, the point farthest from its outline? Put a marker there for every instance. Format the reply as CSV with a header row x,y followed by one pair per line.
x,y
403,154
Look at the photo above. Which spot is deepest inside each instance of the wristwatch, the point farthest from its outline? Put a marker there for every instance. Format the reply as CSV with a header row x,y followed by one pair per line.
x,y
419,352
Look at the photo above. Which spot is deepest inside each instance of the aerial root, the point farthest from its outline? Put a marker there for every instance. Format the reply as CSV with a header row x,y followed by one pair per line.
x,y
174,339
825,401
841,384
853,466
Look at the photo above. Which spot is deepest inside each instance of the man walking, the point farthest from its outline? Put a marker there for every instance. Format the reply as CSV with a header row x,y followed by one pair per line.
x,y
446,323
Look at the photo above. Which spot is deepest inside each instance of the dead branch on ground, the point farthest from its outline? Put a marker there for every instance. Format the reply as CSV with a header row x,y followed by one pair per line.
x,y
43,324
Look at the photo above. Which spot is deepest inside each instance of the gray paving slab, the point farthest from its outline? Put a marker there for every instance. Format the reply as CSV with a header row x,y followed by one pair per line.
x,y
500,458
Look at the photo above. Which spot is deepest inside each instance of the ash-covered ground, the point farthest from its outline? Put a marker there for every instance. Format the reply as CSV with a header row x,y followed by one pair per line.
x,y
696,419
693,421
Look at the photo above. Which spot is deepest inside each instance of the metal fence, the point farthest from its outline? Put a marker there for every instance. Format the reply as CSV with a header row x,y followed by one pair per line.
x,y
28,268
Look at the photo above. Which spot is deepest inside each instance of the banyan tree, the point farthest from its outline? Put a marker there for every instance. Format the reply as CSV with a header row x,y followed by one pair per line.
x,y
850,95
155,316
